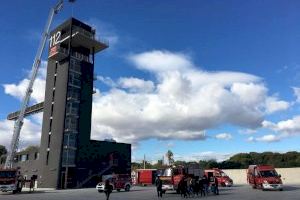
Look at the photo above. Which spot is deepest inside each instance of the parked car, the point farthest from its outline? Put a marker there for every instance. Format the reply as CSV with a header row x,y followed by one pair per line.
x,y
264,177
117,181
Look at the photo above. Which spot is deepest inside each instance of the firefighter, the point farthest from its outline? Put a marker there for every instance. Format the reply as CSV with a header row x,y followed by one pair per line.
x,y
216,182
20,182
107,189
158,184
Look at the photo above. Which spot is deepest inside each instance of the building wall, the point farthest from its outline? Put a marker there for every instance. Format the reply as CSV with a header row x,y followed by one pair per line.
x,y
50,169
28,167
97,156
288,175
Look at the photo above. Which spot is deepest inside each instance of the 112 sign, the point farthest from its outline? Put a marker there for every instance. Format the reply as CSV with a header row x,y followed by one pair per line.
x,y
55,39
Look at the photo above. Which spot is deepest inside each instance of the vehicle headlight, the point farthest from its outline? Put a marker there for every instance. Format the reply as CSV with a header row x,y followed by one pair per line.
x,y
266,182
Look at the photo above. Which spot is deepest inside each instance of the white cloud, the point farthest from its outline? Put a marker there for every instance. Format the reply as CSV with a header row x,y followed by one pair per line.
x,y
136,85
251,139
283,129
224,136
181,103
275,105
170,144
208,155
18,90
265,138
107,81
268,138
288,127
297,93
247,131
161,61
31,133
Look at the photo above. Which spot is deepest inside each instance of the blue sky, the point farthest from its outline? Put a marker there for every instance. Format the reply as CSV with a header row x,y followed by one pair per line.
x,y
206,79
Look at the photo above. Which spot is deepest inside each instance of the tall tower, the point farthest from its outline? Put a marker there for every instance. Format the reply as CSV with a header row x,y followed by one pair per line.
x,y
68,101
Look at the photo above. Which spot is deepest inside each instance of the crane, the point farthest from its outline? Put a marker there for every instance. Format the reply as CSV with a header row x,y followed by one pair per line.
x,y
35,67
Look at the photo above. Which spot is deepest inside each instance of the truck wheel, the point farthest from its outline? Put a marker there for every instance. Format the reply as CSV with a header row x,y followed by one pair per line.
x,y
127,188
14,191
254,186
118,190
262,187
100,191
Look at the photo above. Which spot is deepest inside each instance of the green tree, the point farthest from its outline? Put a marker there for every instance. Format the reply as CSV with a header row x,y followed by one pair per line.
x,y
170,157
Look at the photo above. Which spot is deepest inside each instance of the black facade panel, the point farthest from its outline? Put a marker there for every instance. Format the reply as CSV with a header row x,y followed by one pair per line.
x,y
54,115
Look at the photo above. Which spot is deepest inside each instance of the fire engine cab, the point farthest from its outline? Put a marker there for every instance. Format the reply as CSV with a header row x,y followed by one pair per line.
x,y
11,180
264,177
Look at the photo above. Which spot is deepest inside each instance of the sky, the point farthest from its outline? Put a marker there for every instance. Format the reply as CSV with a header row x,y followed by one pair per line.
x,y
205,79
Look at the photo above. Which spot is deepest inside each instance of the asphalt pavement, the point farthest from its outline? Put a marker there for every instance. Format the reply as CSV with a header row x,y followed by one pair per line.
x,y
245,192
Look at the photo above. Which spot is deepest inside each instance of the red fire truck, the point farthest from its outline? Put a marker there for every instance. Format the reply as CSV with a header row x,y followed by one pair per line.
x,y
10,180
117,181
223,179
264,177
171,176
145,176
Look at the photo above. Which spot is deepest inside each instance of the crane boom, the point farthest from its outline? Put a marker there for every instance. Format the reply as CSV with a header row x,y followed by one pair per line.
x,y
35,67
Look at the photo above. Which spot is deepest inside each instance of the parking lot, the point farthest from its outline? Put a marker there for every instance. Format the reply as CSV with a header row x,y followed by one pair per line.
x,y
291,192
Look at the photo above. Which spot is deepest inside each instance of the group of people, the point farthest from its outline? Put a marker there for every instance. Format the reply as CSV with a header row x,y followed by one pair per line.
x,y
198,186
189,186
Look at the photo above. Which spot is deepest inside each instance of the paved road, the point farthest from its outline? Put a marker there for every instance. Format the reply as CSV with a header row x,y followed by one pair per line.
x,y
141,193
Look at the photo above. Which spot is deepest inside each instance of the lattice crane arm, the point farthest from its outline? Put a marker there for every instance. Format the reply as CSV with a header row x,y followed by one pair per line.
x,y
35,67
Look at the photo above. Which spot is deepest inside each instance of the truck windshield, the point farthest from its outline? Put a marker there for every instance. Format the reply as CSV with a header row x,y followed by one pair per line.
x,y
223,174
268,173
7,174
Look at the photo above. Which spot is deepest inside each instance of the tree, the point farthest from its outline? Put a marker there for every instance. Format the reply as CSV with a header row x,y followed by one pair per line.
x,y
170,157
3,150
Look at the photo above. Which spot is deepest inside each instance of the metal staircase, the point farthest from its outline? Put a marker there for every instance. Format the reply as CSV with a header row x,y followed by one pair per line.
x,y
94,175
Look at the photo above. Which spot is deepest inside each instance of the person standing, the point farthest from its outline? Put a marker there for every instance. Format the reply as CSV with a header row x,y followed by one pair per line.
x,y
205,184
201,187
216,186
184,188
107,189
158,184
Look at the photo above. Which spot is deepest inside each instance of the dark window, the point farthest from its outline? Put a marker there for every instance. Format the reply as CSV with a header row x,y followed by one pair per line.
x,y
36,156
49,140
47,157
50,125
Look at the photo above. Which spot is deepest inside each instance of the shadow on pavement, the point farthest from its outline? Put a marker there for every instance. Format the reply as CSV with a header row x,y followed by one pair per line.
x,y
290,188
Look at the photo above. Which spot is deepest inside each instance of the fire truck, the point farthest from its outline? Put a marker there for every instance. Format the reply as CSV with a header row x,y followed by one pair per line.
x,y
171,176
11,180
223,179
264,177
145,177
117,181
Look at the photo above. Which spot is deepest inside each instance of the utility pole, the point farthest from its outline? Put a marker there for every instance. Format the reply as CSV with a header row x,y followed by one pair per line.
x,y
144,161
